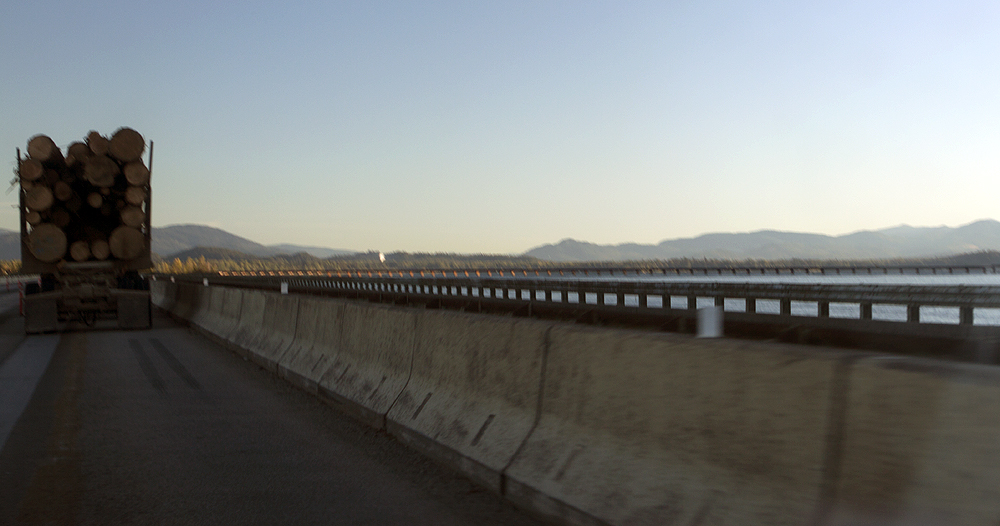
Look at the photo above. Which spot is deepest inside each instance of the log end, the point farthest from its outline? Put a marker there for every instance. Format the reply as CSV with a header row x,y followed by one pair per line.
x,y
100,249
135,195
133,216
62,191
126,243
77,152
43,149
47,242
101,170
79,251
127,145
98,143
39,198
30,170
136,173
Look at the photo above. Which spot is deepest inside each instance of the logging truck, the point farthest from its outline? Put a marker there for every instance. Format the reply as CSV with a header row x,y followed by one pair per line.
x,y
85,231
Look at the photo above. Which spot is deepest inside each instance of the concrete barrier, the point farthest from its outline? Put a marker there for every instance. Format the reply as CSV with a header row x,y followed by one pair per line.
x,y
171,305
473,392
169,296
224,315
648,428
318,329
608,426
277,331
921,444
161,293
231,312
373,363
202,315
246,336
187,301
157,292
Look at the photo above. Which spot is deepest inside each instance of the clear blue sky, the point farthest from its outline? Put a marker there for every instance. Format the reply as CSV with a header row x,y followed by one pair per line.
x,y
498,126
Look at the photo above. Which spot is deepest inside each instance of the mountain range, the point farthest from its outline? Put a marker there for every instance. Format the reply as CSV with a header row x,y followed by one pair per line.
x,y
175,240
168,241
897,242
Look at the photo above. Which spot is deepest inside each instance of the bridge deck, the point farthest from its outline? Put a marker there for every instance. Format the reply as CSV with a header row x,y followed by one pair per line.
x,y
164,427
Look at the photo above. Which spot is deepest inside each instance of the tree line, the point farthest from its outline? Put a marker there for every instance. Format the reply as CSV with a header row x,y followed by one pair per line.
x,y
405,260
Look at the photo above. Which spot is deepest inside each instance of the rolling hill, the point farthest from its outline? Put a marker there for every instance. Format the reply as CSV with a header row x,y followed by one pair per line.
x,y
897,242
170,241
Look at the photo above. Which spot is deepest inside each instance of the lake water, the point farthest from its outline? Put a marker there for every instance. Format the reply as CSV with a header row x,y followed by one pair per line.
x,y
830,279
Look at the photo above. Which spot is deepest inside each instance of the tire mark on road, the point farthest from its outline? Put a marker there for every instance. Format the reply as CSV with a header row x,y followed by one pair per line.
x,y
175,364
147,366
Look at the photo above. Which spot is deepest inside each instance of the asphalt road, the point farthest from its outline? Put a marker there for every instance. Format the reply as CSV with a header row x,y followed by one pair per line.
x,y
165,427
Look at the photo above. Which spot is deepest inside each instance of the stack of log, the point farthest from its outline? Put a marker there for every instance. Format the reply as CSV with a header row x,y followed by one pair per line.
x,y
89,203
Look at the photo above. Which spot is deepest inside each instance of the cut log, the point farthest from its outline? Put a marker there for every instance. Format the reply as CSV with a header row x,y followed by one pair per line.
x,y
33,218
70,176
77,152
135,195
47,242
62,191
51,177
30,170
133,216
100,249
98,143
60,217
79,251
101,171
127,145
74,204
136,173
39,198
126,243
95,200
44,149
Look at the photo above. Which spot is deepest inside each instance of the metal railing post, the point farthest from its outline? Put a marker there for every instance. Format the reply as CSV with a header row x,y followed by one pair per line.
x,y
965,315
866,310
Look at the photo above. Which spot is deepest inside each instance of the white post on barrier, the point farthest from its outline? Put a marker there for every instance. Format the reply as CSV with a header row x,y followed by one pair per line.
x,y
204,281
284,287
710,322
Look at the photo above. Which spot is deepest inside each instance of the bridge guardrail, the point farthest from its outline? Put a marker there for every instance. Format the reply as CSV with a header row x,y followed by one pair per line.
x,y
845,314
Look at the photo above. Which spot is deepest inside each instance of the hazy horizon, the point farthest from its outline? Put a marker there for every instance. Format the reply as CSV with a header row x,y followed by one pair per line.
x,y
479,128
